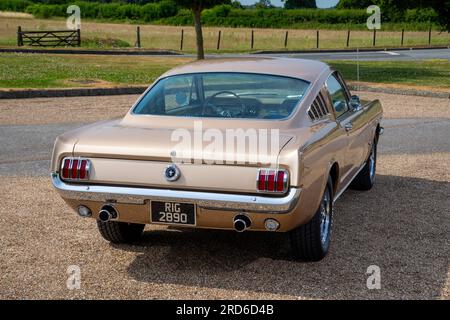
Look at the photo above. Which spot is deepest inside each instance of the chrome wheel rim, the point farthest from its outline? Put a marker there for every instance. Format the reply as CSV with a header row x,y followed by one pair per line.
x,y
372,163
325,217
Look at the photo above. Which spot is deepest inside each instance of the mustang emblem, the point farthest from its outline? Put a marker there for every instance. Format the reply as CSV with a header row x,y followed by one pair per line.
x,y
172,173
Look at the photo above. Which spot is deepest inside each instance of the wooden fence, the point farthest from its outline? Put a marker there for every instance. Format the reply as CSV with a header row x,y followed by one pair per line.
x,y
54,38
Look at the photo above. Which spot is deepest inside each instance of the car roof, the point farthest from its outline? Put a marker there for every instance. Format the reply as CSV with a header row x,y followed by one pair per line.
x,y
307,70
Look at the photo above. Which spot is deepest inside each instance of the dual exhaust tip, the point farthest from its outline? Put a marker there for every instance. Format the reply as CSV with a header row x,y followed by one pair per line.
x,y
107,212
241,223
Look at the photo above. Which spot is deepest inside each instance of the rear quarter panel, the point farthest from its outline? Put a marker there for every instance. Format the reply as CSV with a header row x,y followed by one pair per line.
x,y
324,147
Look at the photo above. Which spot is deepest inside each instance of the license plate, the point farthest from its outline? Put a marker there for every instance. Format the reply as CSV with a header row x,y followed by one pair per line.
x,y
172,213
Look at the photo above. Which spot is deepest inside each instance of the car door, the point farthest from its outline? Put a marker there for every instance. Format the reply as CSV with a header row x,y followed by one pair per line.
x,y
350,122
361,132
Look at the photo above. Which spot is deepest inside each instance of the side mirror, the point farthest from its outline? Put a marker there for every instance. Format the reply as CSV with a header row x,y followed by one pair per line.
x,y
339,106
355,103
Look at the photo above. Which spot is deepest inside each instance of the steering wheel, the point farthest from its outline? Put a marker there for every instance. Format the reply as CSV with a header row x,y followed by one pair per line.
x,y
228,114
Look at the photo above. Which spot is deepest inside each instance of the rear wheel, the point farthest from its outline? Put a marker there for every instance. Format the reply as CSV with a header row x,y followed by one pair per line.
x,y
366,177
120,232
311,241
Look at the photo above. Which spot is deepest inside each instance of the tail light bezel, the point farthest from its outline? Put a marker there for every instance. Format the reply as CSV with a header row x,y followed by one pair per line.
x,y
80,161
267,172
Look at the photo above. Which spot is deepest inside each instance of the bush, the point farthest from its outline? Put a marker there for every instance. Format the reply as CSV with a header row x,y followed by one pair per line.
x,y
421,15
167,12
269,18
14,5
46,11
113,11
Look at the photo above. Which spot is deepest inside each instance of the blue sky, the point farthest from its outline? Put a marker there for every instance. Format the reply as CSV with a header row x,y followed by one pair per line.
x,y
278,3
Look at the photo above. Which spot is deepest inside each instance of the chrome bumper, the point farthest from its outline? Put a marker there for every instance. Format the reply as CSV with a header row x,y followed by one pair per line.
x,y
206,200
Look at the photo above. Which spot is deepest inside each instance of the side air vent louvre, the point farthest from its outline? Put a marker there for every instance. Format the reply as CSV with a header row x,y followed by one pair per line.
x,y
318,109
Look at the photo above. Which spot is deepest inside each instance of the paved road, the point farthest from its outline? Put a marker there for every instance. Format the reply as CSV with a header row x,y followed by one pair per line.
x,y
376,55
401,225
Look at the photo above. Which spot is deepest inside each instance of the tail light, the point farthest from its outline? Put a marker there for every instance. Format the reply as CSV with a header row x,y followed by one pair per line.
x,y
272,181
75,169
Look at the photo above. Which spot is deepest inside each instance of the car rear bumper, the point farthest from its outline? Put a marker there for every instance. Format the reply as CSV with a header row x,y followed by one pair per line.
x,y
204,200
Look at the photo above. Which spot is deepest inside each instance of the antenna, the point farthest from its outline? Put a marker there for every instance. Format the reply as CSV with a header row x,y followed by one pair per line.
x,y
357,68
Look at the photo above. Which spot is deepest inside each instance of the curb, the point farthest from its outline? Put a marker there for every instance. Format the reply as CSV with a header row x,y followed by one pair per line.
x,y
81,92
94,52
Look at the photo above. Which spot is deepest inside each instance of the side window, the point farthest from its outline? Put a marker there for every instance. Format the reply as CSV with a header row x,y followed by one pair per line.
x,y
338,95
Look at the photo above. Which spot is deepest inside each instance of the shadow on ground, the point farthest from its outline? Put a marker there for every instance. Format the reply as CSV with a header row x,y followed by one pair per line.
x,y
401,225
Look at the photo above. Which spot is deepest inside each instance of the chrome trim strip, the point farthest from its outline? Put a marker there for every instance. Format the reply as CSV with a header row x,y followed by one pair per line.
x,y
206,200
88,169
78,169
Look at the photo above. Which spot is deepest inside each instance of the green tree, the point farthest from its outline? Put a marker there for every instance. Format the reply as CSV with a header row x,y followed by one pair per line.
x,y
354,4
236,4
395,9
197,6
264,4
442,8
294,4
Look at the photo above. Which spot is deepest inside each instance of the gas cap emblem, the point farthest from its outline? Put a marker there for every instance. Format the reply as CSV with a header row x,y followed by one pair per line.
x,y
172,173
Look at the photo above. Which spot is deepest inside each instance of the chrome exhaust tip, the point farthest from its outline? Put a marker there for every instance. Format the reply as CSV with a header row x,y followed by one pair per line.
x,y
107,212
241,223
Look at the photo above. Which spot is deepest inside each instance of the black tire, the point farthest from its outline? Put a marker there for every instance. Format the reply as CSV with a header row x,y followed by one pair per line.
x,y
366,177
120,232
311,241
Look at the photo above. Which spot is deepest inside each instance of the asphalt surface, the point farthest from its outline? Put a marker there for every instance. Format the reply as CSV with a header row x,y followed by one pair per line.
x,y
402,225
380,55
374,55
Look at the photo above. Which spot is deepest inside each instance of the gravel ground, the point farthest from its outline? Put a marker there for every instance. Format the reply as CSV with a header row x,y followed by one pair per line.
x,y
401,225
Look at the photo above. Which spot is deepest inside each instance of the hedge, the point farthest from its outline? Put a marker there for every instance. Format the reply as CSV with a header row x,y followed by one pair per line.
x,y
167,12
227,16
113,11
14,5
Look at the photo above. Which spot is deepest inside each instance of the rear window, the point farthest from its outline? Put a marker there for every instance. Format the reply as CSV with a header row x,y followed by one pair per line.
x,y
224,95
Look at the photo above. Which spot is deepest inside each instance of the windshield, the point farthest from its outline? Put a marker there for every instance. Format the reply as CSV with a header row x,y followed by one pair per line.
x,y
223,95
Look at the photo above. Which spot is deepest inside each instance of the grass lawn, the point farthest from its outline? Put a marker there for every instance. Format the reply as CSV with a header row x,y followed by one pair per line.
x,y
62,71
96,34
428,73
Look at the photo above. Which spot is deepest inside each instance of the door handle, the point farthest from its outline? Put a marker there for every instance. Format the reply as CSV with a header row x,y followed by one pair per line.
x,y
348,127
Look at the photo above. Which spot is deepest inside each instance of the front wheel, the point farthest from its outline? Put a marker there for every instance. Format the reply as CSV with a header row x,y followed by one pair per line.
x,y
310,242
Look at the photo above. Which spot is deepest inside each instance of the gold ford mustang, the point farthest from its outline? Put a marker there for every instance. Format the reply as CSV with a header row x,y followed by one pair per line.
x,y
258,144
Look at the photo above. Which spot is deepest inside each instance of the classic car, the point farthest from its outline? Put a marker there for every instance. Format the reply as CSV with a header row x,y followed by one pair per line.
x,y
133,171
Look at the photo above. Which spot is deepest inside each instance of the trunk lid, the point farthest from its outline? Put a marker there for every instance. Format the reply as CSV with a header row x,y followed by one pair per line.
x,y
139,156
